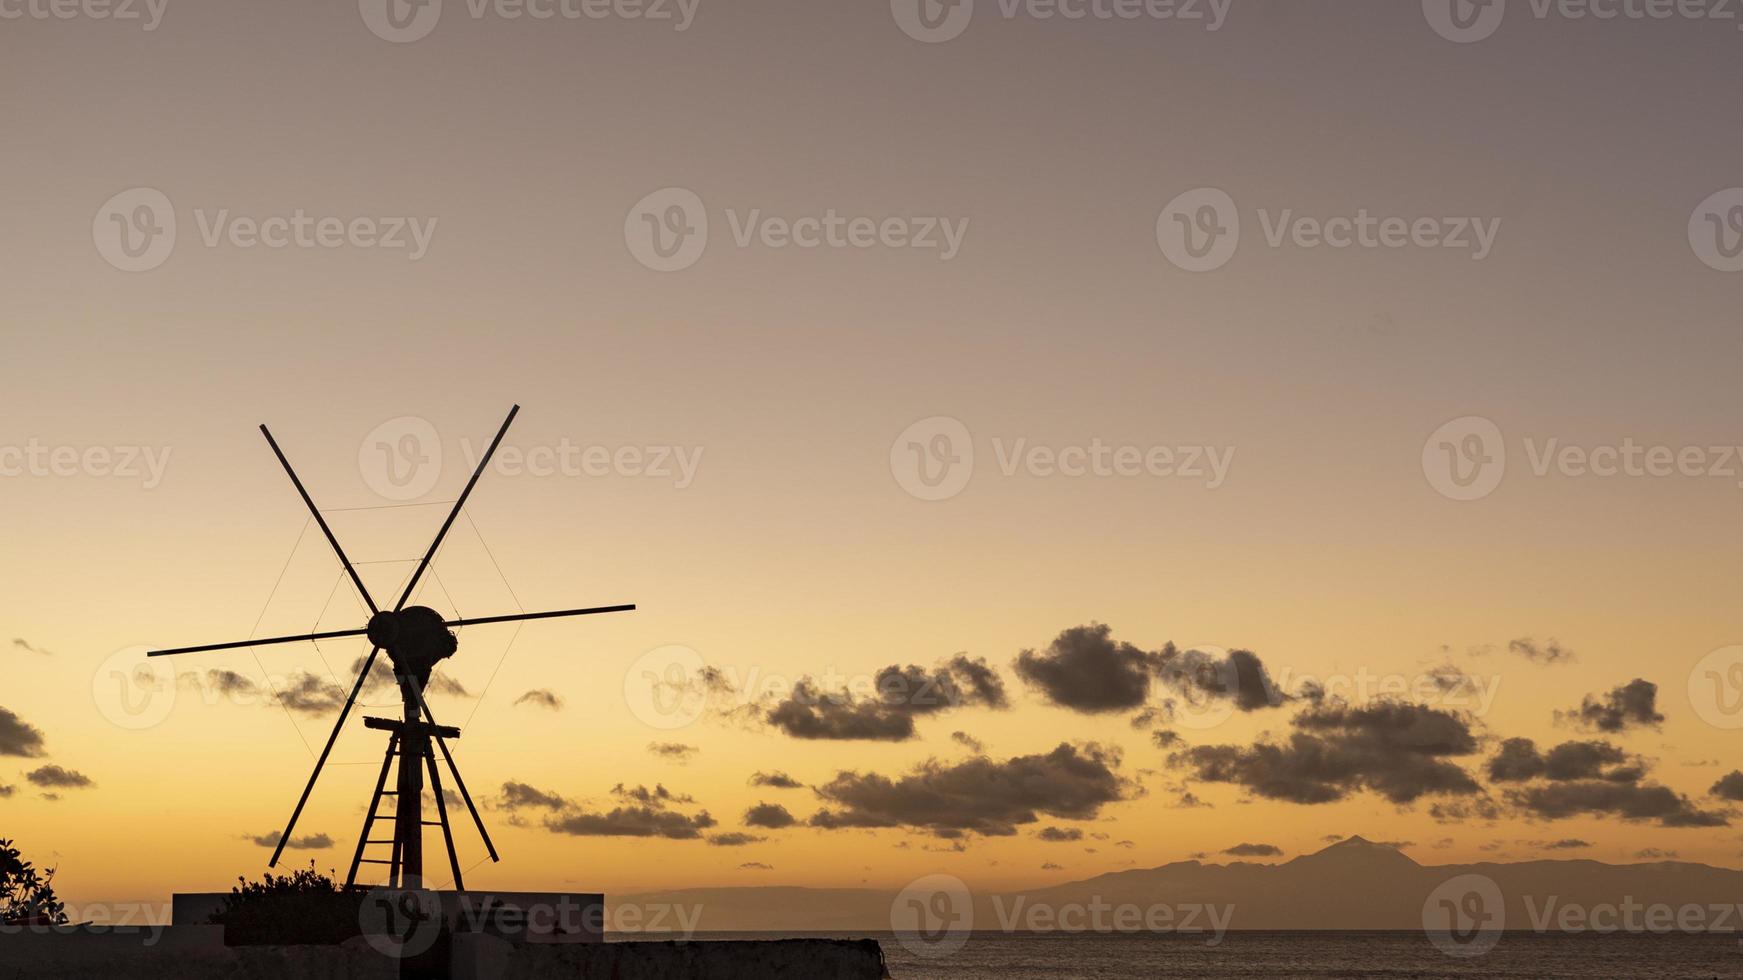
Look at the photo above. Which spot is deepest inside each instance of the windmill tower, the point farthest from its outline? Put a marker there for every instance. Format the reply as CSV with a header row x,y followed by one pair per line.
x,y
415,638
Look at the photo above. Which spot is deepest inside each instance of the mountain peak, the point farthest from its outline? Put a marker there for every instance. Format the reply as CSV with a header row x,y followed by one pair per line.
x,y
1358,849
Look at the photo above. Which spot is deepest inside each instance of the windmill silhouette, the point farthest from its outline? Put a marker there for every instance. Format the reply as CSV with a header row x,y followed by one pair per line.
x,y
416,638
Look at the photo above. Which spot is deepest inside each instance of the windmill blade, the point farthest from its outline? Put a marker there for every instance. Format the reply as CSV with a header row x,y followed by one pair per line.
x,y
322,761
459,783
412,584
523,617
304,493
269,641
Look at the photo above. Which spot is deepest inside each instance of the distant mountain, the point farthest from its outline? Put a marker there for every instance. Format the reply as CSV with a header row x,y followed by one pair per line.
x,y
1354,884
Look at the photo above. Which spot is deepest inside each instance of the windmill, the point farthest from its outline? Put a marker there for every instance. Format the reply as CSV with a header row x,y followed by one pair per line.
x,y
415,639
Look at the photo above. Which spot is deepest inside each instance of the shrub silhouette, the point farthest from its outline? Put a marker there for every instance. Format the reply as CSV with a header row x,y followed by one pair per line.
x,y
301,908
26,896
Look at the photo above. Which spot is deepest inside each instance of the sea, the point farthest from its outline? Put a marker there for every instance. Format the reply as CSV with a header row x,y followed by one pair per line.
x,y
1304,956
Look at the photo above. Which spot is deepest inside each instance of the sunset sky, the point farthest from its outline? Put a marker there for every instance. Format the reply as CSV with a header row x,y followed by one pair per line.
x,y
773,521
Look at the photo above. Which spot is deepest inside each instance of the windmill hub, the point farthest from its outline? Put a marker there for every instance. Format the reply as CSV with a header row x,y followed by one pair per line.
x,y
415,638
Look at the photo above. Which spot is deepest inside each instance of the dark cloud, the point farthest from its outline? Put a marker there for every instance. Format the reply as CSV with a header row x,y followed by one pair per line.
x,y
658,796
1239,677
969,741
515,796
1059,835
1632,705
29,647
900,694
1551,652
1461,811
1086,670
230,684
771,816
7,791
1609,798
1520,761
675,751
1400,751
1730,787
310,695
308,842
1050,866
1254,850
540,698
1565,844
1189,800
755,866
1165,738
632,821
776,780
978,795
54,777
381,679
735,839
18,737
1654,854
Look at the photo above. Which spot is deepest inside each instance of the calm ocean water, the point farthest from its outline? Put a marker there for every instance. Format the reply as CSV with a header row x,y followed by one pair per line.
x,y
1313,956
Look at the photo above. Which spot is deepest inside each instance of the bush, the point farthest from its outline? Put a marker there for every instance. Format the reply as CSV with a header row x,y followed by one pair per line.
x,y
26,897
301,908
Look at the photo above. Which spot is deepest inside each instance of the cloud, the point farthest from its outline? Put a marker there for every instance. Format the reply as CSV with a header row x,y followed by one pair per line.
x,y
1400,751
978,795
1050,866
1059,835
54,777
735,839
901,694
1632,705
1565,844
1255,850
1654,854
7,791
1189,800
1608,798
675,751
965,739
310,695
1460,811
1239,677
1086,670
540,698
308,842
755,866
28,647
1519,761
772,816
776,780
381,678
1551,652
1730,787
230,684
632,821
18,737
1165,738
517,796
